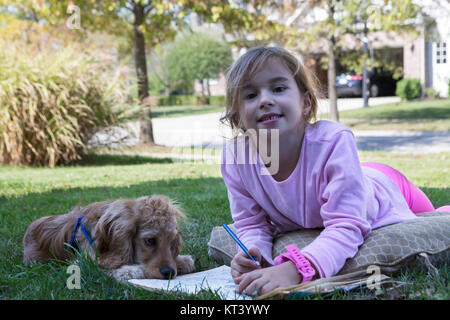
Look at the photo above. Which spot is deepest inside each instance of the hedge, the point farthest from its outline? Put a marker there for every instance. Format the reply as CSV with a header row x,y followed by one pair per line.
x,y
177,100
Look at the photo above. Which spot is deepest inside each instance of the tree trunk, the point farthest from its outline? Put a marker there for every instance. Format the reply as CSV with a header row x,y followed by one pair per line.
x,y
208,87
332,93
146,134
203,99
202,81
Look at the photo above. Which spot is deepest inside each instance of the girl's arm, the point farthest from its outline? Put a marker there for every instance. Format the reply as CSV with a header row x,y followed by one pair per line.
x,y
343,211
250,220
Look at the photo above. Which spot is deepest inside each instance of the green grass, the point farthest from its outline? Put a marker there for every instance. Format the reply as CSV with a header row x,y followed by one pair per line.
x,y
408,110
420,115
402,125
29,193
423,109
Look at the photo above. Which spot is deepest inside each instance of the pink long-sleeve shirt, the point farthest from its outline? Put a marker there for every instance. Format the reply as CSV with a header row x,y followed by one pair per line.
x,y
327,189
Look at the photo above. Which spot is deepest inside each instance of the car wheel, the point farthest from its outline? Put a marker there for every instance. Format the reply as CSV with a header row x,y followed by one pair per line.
x,y
374,90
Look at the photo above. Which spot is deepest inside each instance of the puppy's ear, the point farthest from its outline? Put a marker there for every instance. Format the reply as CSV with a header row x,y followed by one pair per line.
x,y
161,203
113,234
76,211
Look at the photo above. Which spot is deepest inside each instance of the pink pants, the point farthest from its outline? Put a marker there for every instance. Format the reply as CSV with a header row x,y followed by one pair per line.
x,y
416,199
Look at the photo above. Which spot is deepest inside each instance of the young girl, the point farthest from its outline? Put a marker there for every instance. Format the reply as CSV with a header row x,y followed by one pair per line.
x,y
319,182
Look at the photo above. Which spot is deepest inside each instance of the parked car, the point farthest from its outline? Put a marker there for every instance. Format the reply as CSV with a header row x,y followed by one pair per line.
x,y
178,92
380,84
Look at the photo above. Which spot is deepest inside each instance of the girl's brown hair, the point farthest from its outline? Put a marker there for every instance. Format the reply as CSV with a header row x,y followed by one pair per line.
x,y
250,63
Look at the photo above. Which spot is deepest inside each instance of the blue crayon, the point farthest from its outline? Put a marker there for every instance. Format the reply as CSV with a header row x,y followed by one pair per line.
x,y
235,238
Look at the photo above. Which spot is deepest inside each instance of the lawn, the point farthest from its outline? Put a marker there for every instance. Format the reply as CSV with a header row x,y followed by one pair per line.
x,y
420,109
407,110
410,115
29,193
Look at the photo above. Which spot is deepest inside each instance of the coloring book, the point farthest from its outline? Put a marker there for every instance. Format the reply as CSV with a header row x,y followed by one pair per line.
x,y
217,280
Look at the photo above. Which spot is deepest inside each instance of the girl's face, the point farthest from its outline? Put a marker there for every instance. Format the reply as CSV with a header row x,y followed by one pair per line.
x,y
272,100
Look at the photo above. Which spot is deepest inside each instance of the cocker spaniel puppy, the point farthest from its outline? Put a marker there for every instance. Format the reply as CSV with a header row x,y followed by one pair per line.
x,y
136,238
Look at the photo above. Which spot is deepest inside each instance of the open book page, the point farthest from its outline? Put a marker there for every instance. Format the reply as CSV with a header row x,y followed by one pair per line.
x,y
217,280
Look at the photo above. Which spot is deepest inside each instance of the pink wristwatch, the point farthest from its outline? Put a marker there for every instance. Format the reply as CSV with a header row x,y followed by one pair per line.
x,y
303,265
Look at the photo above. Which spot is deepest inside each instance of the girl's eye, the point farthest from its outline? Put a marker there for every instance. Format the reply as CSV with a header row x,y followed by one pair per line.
x,y
250,96
150,242
279,89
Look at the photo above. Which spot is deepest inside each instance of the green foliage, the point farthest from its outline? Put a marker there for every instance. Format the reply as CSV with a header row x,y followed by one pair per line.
x,y
196,56
352,20
431,93
155,84
388,60
217,101
179,100
408,89
52,102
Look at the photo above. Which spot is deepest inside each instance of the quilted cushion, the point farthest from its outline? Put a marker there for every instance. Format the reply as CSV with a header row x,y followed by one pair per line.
x,y
390,247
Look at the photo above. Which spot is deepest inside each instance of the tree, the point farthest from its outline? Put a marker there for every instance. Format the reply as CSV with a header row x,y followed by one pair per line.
x,y
159,72
211,57
198,56
325,23
145,22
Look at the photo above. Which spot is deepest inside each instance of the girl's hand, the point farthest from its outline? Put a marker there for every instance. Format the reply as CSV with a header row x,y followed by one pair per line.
x,y
265,280
241,263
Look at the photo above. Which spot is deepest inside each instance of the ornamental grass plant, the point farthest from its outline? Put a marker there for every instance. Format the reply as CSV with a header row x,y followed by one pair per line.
x,y
53,100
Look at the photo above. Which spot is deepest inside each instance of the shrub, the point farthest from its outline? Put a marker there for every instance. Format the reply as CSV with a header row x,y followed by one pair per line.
x,y
52,102
217,100
177,100
408,89
431,93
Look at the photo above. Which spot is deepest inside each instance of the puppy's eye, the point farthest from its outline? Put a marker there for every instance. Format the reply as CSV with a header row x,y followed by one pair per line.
x,y
150,241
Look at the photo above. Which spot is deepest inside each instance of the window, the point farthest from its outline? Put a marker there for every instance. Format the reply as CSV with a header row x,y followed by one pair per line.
x,y
441,52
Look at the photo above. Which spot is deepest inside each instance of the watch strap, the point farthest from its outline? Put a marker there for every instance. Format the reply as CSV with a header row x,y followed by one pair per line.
x,y
303,265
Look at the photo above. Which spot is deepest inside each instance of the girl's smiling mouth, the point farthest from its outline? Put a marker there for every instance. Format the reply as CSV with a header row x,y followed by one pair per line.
x,y
269,118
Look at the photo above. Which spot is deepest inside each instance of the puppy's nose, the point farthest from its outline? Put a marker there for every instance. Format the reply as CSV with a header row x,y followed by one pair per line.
x,y
167,272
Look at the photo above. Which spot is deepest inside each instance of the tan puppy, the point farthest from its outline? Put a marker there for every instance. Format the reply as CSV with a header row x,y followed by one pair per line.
x,y
136,238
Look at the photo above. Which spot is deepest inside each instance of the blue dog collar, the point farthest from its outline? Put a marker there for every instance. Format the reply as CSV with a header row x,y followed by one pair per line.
x,y
73,243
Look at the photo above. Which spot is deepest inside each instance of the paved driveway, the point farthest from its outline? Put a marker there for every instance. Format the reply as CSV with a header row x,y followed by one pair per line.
x,y
206,131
